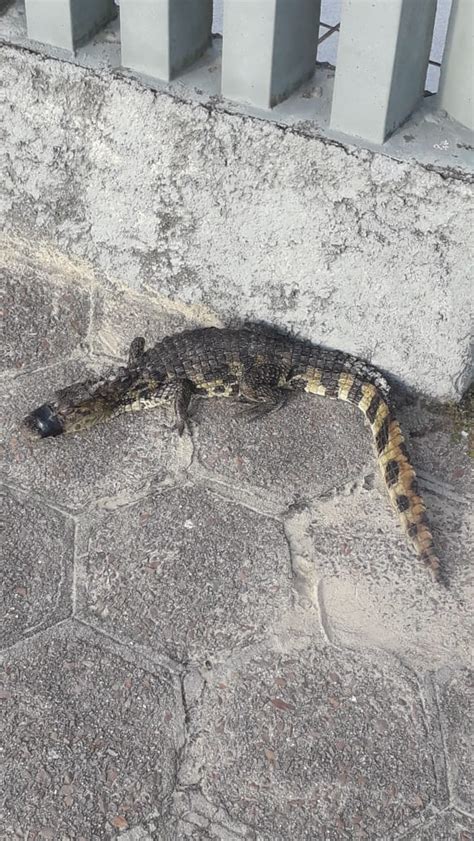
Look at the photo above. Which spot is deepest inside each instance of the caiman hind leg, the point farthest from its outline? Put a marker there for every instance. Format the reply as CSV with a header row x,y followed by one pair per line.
x,y
180,392
262,389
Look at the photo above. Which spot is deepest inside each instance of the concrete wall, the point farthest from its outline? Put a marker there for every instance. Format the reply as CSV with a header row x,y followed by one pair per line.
x,y
246,218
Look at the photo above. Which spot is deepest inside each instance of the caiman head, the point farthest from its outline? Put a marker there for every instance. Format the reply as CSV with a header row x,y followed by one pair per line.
x,y
83,405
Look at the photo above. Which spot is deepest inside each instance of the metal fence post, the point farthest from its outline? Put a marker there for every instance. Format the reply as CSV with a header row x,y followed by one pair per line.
x,y
269,48
457,70
382,59
160,37
67,23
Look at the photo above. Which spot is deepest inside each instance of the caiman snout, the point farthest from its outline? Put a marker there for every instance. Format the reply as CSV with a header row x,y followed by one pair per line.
x,y
43,422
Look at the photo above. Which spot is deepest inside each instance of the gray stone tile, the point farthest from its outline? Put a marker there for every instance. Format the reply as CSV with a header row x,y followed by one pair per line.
x,y
300,452
450,826
456,701
184,572
323,744
46,318
91,740
117,457
38,552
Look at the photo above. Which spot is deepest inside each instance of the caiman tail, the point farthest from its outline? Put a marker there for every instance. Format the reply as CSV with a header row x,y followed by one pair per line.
x,y
393,458
399,475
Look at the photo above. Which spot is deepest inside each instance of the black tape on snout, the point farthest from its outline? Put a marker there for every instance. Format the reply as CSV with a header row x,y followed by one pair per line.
x,y
45,422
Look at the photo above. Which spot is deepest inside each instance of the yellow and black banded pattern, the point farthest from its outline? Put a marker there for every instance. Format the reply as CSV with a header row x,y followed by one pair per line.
x,y
260,365
393,458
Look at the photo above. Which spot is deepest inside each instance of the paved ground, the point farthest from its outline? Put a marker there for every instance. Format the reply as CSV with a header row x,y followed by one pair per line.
x,y
223,636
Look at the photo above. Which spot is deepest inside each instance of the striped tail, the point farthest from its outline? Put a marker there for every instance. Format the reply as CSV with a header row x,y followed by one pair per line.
x,y
393,458
399,475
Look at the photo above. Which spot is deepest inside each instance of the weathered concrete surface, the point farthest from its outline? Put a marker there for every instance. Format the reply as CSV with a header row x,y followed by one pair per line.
x,y
247,219
226,636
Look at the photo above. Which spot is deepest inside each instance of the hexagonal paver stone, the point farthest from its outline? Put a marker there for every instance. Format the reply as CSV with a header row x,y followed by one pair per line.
x,y
91,739
308,447
38,550
450,826
185,572
117,456
321,743
46,317
456,704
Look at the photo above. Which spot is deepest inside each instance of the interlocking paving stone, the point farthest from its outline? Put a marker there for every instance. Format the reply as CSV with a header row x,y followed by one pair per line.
x,y
45,318
185,572
37,551
322,743
91,740
450,826
114,457
456,705
308,447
